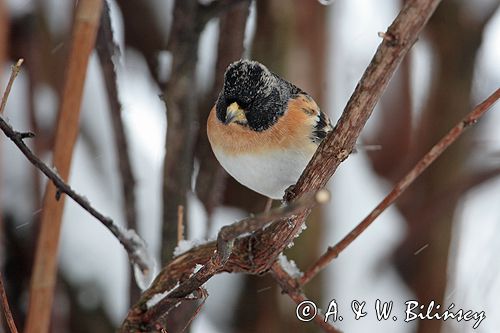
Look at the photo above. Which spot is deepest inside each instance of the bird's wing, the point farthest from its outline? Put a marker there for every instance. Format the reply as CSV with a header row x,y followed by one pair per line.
x,y
322,123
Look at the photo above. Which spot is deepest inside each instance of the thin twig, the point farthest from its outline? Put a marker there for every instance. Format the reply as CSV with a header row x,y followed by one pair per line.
x,y
130,244
62,187
13,74
291,287
107,50
401,186
269,205
195,282
204,295
256,222
6,307
180,223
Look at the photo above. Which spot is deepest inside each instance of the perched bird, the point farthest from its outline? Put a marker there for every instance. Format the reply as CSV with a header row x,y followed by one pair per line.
x,y
264,130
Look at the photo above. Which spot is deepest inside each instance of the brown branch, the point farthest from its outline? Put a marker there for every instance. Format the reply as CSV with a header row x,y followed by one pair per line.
x,y
3,295
181,119
142,315
106,50
86,21
6,307
180,223
15,71
152,314
214,8
401,186
256,253
197,310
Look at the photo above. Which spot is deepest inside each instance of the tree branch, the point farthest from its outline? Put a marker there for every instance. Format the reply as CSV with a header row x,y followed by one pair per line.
x,y
106,50
397,41
44,276
5,304
15,71
402,185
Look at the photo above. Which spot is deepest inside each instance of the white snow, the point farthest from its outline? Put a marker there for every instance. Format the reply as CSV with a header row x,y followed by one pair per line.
x,y
326,2
142,277
156,298
186,245
289,266
197,268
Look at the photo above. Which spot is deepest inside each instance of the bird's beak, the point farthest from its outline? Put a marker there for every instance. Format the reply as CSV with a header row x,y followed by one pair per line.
x,y
235,113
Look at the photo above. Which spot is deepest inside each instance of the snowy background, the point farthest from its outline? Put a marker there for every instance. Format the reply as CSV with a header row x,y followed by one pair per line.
x,y
95,262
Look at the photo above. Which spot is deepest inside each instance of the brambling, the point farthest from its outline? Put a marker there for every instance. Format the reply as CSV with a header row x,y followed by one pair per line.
x,y
264,130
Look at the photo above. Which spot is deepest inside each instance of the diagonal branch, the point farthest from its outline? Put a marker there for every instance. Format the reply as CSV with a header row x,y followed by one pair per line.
x,y
401,186
131,245
15,71
397,41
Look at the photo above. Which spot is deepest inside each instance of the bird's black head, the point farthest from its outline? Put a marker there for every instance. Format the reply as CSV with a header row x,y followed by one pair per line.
x,y
261,96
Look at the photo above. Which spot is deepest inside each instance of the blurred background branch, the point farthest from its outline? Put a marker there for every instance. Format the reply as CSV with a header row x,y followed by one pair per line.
x,y
107,50
43,280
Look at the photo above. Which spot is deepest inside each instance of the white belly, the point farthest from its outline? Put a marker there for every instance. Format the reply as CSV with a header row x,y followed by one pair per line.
x,y
269,174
